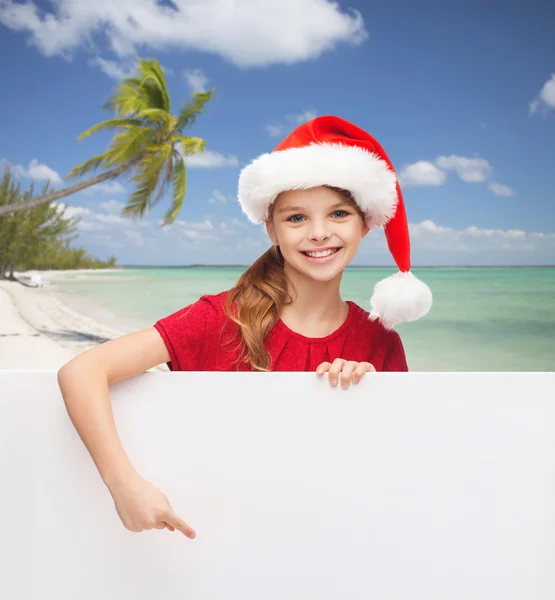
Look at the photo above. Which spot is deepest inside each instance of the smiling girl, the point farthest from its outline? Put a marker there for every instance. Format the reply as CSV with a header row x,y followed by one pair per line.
x,y
319,193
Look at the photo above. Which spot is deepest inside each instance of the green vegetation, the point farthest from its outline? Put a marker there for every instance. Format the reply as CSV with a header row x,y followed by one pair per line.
x,y
148,144
38,237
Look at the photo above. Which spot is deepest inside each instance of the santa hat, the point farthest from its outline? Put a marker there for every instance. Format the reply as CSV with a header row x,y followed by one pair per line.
x,y
331,151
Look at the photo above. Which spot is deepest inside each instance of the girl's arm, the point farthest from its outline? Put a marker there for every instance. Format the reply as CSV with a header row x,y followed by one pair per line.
x,y
84,385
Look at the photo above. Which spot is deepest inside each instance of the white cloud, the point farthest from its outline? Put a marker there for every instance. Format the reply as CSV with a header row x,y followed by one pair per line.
x,y
291,122
135,236
546,98
247,33
303,117
113,69
510,234
198,236
433,244
471,170
227,230
72,211
203,241
499,189
119,70
274,130
209,159
205,225
251,243
421,173
108,188
217,197
196,79
37,172
112,207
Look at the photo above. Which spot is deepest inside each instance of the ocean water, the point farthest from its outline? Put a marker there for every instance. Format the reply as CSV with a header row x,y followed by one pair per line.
x,y
482,319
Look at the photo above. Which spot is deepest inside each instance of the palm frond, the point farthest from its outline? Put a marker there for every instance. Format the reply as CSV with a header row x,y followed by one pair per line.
x,y
146,179
129,98
153,75
109,124
138,202
188,114
190,145
179,183
129,144
165,178
89,165
145,89
155,115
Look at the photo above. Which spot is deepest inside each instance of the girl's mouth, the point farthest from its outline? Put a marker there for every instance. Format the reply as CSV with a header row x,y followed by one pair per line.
x,y
322,256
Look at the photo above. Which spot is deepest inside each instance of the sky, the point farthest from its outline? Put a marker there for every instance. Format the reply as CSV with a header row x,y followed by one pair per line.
x,y
460,94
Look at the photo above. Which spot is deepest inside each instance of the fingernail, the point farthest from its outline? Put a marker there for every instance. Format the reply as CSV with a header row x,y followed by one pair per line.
x,y
333,381
355,380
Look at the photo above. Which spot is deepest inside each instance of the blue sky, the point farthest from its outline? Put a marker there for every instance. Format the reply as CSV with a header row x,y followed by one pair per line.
x,y
461,96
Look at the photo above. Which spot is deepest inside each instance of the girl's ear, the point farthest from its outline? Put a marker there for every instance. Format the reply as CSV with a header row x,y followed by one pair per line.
x,y
365,230
271,232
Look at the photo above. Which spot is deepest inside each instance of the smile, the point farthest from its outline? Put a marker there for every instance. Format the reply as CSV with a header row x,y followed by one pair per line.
x,y
321,256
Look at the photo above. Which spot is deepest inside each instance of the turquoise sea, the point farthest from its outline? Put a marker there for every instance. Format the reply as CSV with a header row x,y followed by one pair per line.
x,y
483,319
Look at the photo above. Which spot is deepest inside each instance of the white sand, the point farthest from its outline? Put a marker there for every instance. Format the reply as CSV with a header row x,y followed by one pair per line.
x,y
38,331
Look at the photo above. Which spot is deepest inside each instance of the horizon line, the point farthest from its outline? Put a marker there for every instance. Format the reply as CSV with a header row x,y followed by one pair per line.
x,y
228,266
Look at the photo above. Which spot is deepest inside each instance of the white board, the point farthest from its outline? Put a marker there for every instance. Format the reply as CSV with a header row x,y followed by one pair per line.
x,y
421,485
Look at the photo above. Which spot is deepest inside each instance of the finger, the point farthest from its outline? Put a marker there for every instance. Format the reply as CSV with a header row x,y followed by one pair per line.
x,y
323,368
179,524
347,373
168,526
334,371
362,368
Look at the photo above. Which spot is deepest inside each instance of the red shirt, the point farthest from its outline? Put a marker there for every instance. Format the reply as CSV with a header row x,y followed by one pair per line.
x,y
200,337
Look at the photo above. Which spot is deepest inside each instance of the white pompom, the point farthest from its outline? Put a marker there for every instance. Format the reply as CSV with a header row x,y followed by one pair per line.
x,y
400,298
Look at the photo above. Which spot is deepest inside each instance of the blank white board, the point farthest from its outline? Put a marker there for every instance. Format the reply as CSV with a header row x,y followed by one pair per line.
x,y
429,486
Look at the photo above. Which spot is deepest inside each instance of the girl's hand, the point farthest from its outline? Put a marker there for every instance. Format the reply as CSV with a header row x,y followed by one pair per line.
x,y
349,369
140,506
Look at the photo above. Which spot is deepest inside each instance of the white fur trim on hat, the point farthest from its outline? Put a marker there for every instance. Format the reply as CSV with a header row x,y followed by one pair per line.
x,y
400,298
366,175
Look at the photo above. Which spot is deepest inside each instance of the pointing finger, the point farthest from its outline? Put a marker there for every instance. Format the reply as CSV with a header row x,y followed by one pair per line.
x,y
179,524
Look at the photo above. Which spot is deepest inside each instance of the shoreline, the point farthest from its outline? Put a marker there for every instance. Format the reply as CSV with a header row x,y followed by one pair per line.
x,y
38,330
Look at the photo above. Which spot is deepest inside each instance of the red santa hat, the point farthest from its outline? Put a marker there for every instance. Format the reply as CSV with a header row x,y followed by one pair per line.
x,y
331,151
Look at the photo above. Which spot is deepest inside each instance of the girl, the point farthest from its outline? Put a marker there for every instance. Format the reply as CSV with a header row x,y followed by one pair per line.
x,y
318,193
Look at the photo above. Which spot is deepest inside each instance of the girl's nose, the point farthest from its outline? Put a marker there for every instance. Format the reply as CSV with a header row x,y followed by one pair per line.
x,y
319,232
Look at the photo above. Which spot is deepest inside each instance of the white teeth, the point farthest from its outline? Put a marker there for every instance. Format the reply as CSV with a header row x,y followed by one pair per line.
x,y
321,254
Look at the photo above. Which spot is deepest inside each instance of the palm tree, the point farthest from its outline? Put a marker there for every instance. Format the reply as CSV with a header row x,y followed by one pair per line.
x,y
149,143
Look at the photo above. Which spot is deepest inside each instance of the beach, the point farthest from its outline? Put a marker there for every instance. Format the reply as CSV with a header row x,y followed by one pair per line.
x,y
482,319
39,331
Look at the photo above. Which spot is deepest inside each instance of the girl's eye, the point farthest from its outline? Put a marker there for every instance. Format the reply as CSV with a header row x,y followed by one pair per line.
x,y
338,214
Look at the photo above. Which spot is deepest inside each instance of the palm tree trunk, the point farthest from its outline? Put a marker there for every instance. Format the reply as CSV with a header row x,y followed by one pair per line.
x,y
72,189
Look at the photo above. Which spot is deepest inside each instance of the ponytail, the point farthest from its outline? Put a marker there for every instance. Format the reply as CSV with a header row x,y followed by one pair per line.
x,y
255,303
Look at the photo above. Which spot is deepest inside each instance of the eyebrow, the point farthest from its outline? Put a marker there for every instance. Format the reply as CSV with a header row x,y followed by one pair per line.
x,y
285,209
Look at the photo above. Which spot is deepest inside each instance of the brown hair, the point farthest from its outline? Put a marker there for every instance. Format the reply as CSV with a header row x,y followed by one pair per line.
x,y
255,301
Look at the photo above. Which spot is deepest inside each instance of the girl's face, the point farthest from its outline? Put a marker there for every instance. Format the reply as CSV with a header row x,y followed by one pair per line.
x,y
317,220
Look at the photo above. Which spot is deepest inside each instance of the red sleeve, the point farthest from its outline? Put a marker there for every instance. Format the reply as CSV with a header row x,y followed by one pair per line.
x,y
186,335
395,359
